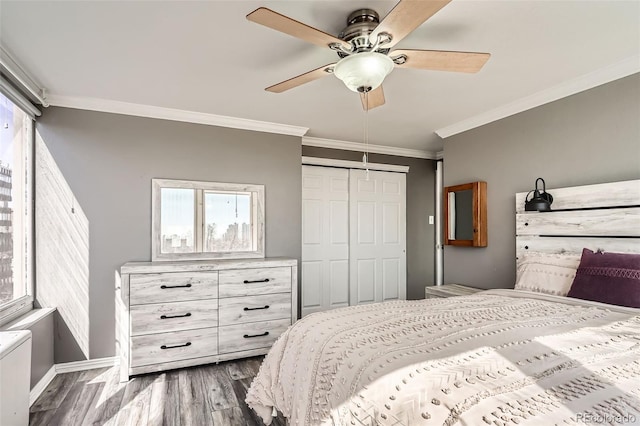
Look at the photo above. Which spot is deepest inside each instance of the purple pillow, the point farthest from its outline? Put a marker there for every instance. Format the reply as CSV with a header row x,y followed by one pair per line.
x,y
612,278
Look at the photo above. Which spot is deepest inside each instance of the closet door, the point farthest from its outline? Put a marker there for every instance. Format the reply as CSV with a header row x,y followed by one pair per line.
x,y
377,255
325,238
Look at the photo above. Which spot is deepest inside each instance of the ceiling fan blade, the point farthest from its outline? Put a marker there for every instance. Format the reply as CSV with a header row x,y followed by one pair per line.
x,y
375,99
278,22
440,60
405,17
301,79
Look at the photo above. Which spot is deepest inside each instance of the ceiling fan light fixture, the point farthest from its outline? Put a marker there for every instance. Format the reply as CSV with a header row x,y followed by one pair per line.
x,y
365,71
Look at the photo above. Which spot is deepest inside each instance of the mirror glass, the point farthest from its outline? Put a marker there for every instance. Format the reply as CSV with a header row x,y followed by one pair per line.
x,y
177,220
228,221
461,211
465,214
207,220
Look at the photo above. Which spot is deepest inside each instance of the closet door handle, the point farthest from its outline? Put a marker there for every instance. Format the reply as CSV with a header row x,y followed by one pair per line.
x,y
255,309
249,336
175,286
266,280
188,314
175,346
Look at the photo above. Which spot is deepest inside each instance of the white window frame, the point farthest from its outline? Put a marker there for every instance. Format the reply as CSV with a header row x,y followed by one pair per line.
x,y
20,306
257,212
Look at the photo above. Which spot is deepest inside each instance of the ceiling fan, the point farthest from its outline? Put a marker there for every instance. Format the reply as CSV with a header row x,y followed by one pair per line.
x,y
364,48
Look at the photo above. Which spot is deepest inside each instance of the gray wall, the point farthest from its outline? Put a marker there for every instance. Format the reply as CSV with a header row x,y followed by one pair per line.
x,y
108,160
42,335
420,204
591,137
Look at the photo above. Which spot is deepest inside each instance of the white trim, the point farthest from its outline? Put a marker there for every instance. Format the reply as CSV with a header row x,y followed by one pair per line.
x,y
440,155
439,272
358,146
15,309
330,162
42,384
150,111
584,82
69,367
16,97
26,321
89,364
22,78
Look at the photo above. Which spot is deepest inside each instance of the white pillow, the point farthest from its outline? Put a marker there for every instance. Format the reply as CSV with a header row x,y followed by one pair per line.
x,y
547,273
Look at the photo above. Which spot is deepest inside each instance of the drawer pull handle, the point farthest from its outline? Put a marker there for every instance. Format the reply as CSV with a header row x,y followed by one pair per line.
x,y
255,309
175,286
188,314
266,280
248,336
175,346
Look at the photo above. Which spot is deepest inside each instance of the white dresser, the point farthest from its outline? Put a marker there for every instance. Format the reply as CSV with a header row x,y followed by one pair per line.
x,y
178,314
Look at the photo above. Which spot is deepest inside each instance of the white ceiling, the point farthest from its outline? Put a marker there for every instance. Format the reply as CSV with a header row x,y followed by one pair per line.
x,y
206,57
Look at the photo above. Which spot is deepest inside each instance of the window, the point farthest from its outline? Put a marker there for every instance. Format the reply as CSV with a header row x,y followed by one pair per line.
x,y
207,220
16,134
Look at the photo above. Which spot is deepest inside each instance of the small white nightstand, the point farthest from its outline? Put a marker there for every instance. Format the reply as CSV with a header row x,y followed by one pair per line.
x,y
449,290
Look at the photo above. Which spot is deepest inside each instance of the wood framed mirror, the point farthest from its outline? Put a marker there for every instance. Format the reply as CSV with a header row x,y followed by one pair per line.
x,y
465,215
196,220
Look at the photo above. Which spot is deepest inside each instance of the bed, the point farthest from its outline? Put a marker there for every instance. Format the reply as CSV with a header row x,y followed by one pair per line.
x,y
499,357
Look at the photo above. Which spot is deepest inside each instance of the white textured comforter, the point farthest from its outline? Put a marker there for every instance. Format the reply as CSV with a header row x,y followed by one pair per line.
x,y
499,357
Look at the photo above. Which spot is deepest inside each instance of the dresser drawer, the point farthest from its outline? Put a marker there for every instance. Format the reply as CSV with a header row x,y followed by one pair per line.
x,y
166,347
255,335
172,287
264,307
164,317
247,282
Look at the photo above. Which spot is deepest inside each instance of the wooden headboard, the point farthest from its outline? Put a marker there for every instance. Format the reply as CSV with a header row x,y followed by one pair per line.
x,y
604,216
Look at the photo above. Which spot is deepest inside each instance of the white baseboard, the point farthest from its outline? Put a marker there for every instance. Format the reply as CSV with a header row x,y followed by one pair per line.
x,y
89,364
69,367
42,385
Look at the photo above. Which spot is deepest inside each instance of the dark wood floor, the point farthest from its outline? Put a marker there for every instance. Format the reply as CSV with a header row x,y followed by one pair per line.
x,y
207,395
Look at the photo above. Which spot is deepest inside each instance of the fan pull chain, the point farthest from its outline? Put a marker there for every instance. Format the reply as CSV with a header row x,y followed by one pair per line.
x,y
365,156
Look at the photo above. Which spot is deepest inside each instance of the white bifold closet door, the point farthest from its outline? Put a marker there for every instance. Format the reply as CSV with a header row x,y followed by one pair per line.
x,y
325,238
377,237
353,237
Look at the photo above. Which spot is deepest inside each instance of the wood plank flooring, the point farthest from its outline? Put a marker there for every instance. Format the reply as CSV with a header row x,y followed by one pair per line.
x,y
206,395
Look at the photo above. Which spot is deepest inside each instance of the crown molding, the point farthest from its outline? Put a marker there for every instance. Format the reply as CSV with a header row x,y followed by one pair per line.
x,y
584,82
150,111
346,164
358,146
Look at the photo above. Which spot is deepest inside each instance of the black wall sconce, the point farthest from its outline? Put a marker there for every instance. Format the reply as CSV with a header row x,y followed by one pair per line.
x,y
541,201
